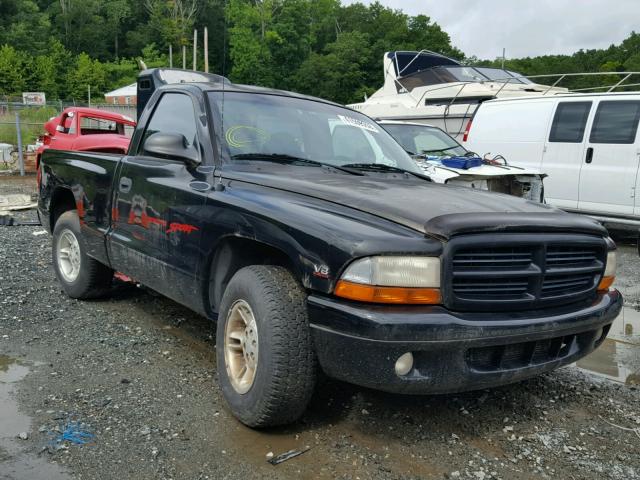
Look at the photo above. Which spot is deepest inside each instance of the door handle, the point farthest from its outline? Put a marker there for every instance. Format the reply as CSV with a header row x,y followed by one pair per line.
x,y
125,184
589,157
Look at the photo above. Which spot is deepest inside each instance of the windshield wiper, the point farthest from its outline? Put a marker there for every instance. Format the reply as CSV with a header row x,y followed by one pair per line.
x,y
285,158
383,167
422,152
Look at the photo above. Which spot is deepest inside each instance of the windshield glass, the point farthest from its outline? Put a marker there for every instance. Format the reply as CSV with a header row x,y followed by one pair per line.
x,y
497,74
262,127
419,139
464,74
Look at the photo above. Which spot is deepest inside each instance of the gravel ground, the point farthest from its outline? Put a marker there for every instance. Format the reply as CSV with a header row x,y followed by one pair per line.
x,y
136,374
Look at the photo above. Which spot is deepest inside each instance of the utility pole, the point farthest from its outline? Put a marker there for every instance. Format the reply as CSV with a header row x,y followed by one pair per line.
x,y
184,57
170,56
89,94
195,48
206,50
19,133
503,54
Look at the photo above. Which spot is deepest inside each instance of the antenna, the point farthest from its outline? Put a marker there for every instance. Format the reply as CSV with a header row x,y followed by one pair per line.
x,y
224,70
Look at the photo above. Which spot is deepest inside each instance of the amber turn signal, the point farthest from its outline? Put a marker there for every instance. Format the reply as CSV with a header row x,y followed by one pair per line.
x,y
377,294
605,283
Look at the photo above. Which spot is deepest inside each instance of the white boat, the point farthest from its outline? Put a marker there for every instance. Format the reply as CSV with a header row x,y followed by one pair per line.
x,y
427,87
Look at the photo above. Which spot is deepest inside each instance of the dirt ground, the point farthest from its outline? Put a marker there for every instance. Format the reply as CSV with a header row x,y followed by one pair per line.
x,y
125,388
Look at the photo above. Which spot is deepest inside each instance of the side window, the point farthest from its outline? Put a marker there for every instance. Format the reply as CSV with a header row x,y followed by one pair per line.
x,y
569,122
173,114
616,122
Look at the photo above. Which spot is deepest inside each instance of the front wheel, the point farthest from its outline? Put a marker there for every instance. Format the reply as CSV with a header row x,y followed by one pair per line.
x,y
266,362
80,275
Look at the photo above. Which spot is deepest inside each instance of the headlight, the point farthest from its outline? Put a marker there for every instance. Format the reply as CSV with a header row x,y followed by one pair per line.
x,y
392,279
609,271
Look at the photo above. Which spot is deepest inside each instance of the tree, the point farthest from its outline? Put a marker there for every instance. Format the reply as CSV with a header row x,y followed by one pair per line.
x,y
23,25
339,73
116,12
173,19
46,71
86,72
249,36
12,64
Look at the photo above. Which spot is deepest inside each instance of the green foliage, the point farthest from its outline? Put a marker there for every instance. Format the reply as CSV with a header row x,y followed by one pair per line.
x,y
31,124
12,65
337,74
86,73
623,57
319,47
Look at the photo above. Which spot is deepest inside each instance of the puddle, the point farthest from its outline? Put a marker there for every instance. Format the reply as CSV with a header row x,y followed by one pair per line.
x,y
339,452
15,463
618,358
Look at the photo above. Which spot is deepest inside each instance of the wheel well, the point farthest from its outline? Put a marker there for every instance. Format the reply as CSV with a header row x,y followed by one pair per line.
x,y
233,254
62,201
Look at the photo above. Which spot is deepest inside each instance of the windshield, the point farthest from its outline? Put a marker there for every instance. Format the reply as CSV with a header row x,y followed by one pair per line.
x,y
256,127
497,75
419,139
438,75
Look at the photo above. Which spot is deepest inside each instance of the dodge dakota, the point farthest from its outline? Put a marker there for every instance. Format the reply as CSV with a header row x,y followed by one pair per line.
x,y
254,208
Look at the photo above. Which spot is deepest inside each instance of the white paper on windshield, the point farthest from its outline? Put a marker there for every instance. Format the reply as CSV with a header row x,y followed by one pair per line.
x,y
354,122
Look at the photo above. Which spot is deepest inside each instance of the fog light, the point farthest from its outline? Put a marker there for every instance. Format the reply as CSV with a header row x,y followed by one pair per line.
x,y
404,364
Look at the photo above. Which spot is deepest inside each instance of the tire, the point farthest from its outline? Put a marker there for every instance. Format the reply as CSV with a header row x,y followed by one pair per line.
x,y
285,372
80,275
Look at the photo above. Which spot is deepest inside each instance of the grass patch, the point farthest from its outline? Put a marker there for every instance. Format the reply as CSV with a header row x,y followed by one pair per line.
x,y
32,122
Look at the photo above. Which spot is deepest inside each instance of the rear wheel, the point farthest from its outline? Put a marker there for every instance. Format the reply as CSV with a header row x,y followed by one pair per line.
x,y
266,363
80,275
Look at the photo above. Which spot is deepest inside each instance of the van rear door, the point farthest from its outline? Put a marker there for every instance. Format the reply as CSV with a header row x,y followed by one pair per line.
x,y
610,160
563,153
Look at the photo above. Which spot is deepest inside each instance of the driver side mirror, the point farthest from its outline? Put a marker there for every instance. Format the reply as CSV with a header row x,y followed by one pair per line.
x,y
172,146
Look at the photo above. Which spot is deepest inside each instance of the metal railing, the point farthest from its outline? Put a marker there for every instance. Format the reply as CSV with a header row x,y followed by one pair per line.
x,y
548,88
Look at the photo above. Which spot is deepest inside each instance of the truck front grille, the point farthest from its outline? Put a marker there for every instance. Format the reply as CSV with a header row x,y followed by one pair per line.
x,y
514,271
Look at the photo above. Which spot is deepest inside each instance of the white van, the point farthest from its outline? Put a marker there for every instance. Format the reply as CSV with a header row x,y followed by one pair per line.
x,y
587,143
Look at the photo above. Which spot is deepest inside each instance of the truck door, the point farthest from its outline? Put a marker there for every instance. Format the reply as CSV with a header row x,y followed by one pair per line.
x,y
65,132
155,235
610,161
563,153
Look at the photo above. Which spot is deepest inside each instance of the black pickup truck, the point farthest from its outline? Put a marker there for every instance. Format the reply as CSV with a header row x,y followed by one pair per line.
x,y
314,241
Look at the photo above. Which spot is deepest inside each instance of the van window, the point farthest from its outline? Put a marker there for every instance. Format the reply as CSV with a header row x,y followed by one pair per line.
x,y
569,122
616,122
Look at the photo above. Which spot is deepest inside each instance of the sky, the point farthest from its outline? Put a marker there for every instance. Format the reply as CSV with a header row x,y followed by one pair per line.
x,y
526,27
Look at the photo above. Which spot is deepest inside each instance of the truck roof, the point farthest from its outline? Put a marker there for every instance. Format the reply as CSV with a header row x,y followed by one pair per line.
x,y
163,78
106,114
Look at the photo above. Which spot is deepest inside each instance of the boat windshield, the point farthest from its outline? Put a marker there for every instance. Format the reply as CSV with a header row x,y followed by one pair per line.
x,y
498,74
440,75
263,127
424,140
463,74
521,77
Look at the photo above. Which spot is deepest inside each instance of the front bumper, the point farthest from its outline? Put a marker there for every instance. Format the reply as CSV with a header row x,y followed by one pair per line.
x,y
452,351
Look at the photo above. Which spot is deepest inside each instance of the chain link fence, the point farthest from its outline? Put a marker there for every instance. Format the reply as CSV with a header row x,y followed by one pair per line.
x,y
22,125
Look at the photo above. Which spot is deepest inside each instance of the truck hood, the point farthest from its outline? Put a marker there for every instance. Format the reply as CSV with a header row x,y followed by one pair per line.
x,y
421,205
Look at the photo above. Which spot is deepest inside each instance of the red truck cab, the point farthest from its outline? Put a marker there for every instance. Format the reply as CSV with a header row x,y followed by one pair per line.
x,y
89,130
